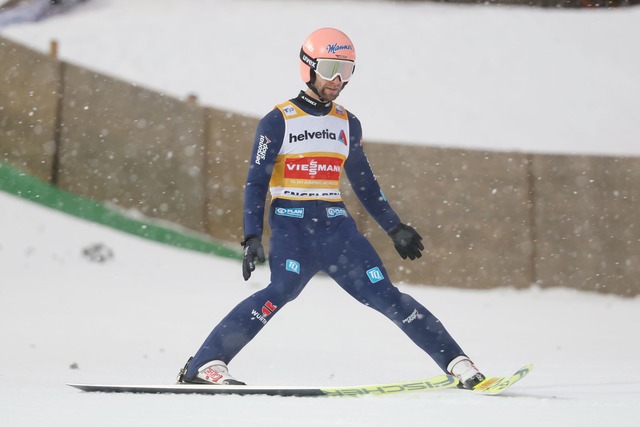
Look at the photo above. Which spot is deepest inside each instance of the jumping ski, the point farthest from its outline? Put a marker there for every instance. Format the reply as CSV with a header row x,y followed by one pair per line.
x,y
436,383
490,386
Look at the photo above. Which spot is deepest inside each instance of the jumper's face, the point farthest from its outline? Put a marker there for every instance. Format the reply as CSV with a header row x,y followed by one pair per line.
x,y
329,90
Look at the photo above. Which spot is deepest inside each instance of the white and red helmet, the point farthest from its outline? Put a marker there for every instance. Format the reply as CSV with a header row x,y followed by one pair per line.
x,y
327,52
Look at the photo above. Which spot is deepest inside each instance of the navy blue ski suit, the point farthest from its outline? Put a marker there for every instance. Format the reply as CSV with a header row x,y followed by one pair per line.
x,y
312,231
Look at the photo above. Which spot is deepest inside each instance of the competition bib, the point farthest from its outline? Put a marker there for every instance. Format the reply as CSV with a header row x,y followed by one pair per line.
x,y
314,149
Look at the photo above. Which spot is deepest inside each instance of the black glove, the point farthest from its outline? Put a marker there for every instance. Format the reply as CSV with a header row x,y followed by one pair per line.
x,y
407,241
252,249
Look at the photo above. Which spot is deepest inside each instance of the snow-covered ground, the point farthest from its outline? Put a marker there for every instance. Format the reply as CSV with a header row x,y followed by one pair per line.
x,y
504,78
139,316
507,78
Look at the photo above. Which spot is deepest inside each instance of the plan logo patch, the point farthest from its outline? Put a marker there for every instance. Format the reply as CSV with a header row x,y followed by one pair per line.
x,y
291,212
334,212
375,275
293,266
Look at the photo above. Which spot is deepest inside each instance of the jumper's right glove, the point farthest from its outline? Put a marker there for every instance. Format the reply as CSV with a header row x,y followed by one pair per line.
x,y
407,241
252,249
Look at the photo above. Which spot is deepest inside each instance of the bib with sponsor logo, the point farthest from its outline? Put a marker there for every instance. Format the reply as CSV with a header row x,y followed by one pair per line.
x,y
310,162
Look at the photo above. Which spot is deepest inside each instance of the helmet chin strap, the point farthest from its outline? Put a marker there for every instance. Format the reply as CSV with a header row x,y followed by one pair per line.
x,y
311,86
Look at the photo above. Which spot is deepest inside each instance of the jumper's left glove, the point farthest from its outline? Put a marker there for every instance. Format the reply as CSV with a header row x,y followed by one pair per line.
x,y
407,241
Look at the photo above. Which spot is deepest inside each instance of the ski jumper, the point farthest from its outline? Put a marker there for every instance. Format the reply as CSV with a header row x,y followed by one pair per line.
x,y
300,150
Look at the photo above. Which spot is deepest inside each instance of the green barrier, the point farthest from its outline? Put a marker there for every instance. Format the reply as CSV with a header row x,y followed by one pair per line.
x,y
27,187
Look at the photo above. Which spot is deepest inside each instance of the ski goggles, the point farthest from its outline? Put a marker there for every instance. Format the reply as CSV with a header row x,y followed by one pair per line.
x,y
329,69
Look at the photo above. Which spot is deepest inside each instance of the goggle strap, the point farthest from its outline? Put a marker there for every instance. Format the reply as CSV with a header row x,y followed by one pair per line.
x,y
308,60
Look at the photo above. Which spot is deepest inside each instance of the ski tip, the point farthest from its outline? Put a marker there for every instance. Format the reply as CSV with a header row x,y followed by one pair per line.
x,y
496,385
74,385
526,369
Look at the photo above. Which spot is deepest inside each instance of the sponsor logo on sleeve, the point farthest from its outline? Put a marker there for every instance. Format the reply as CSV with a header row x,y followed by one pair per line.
x,y
413,316
263,145
289,110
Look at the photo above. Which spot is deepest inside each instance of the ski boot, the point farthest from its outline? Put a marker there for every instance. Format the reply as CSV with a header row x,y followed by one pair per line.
x,y
466,372
214,372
